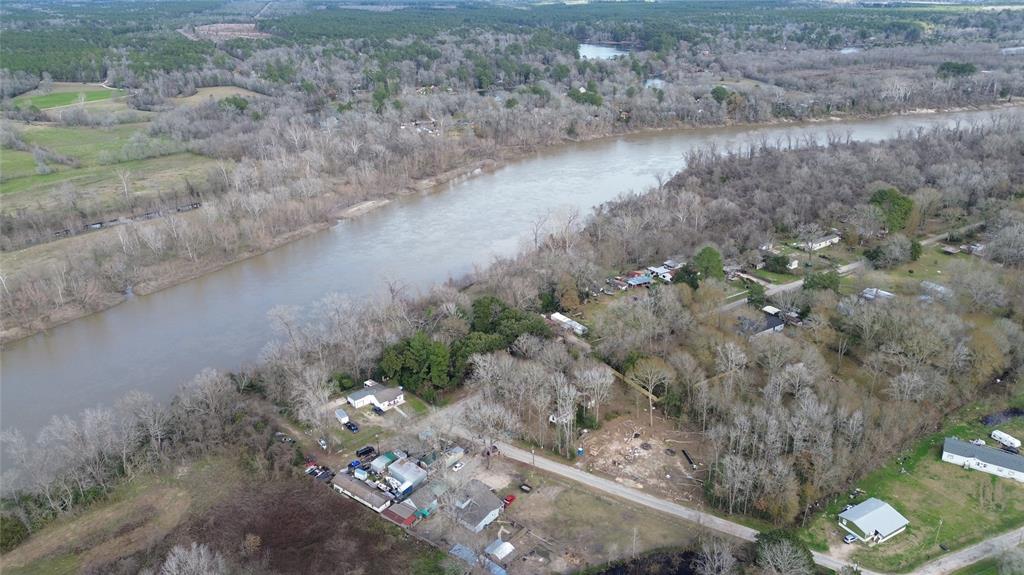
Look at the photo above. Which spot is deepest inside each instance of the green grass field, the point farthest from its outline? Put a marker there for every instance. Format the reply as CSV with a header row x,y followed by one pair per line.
x,y
101,184
84,144
986,567
944,503
66,94
16,164
772,277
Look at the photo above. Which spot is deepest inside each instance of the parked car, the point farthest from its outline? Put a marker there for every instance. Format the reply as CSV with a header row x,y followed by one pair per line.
x,y
322,443
509,500
366,451
378,410
355,463
458,466
525,487
351,426
283,438
312,470
849,538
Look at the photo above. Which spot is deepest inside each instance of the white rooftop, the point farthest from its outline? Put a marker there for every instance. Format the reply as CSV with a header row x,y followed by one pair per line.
x,y
875,516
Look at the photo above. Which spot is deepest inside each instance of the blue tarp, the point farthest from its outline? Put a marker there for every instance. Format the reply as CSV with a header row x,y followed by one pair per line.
x,y
464,553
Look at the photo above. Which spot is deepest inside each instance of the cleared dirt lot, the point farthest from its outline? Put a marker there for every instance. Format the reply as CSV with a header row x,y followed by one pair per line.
x,y
633,453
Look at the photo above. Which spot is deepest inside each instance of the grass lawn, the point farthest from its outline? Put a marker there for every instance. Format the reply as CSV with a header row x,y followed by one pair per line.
x,y
986,567
85,144
16,164
64,94
415,404
933,265
101,184
969,505
773,277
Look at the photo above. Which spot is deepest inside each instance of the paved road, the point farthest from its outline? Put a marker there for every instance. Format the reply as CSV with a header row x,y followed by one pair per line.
x,y
992,547
636,496
947,564
843,270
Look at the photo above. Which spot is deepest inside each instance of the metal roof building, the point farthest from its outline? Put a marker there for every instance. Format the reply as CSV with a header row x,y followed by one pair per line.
x,y
873,520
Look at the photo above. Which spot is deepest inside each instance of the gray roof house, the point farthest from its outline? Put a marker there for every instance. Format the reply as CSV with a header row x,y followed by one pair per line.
x,y
873,521
477,506
983,458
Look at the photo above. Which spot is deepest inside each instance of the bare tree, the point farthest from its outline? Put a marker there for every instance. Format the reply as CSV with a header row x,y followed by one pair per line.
x,y
715,557
596,380
651,375
198,559
783,558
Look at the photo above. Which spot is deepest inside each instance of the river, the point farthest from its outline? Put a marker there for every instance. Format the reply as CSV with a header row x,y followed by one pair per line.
x,y
156,342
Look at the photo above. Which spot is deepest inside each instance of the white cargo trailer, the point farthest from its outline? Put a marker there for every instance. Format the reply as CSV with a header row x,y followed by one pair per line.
x,y
1006,439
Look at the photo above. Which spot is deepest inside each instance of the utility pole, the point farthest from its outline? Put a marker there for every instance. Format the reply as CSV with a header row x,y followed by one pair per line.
x,y
533,454
937,531
634,542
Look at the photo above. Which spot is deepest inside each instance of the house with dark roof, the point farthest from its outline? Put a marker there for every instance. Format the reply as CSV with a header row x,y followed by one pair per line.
x,y
983,458
477,506
767,323
873,521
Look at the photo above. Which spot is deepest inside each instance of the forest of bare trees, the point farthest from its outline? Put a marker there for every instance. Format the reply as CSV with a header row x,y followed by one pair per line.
x,y
338,122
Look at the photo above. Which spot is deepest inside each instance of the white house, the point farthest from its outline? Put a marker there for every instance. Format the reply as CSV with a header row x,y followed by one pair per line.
x,y
661,272
983,458
873,521
823,242
477,506
377,395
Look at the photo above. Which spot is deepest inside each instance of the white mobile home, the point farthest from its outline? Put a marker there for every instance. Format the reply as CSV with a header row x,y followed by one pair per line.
x,y
983,458
569,323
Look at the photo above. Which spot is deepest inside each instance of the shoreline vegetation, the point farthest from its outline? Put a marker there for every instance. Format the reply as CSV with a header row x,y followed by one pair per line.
x,y
185,273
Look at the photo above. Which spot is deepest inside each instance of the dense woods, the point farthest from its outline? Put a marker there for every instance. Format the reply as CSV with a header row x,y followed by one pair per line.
x,y
343,106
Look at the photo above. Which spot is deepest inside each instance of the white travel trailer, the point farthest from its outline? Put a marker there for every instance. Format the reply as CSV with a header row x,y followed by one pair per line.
x,y
1006,439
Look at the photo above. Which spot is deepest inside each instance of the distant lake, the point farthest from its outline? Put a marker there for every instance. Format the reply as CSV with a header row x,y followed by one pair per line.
x,y
850,50
599,52
655,83
1014,50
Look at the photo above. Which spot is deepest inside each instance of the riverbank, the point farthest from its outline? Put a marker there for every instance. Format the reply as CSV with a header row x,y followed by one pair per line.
x,y
175,273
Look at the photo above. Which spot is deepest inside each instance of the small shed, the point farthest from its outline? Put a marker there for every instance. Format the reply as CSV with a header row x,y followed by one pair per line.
x,y
499,549
453,455
381,463
400,515
341,416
